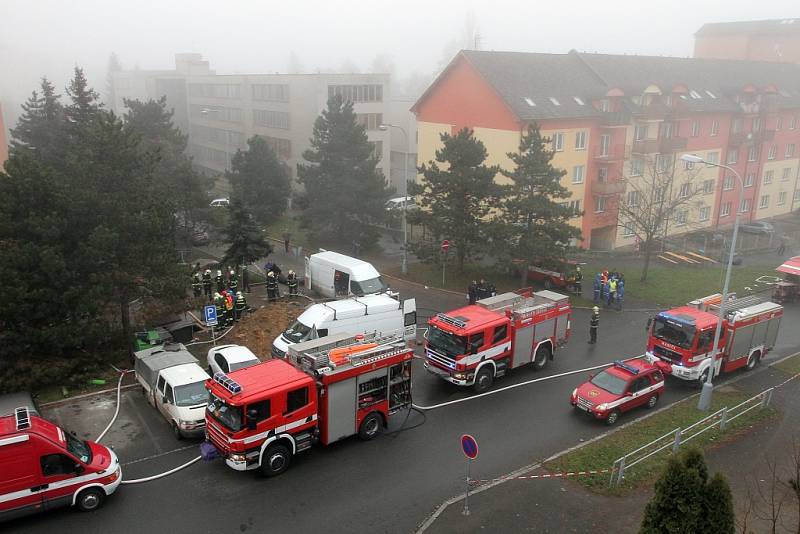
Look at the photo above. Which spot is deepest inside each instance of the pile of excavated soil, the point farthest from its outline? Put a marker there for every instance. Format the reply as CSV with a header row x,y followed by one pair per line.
x,y
258,329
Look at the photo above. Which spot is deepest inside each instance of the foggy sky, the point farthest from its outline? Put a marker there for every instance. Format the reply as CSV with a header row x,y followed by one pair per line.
x,y
49,37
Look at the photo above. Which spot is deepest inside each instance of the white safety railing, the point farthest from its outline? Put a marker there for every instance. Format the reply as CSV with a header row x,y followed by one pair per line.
x,y
674,439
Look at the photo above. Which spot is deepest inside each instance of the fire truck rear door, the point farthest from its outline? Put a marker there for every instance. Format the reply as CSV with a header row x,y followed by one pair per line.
x,y
523,346
341,409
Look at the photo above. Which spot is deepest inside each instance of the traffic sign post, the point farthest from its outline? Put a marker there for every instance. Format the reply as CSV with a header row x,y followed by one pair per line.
x,y
470,448
445,248
210,316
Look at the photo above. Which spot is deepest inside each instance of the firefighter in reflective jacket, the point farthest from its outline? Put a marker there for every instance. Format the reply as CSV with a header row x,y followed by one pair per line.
x,y
207,284
220,281
291,281
594,322
228,308
219,304
233,280
239,306
197,285
272,286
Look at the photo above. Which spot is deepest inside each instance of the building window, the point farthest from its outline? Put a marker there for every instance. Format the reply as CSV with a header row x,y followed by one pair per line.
x,y
215,90
768,177
216,113
271,119
558,142
749,179
637,167
778,124
695,128
787,172
662,163
733,156
725,210
602,174
633,199
708,187
712,158
752,154
744,205
781,198
790,150
714,128
370,121
640,132
604,107
685,190
271,92
577,174
793,123
680,217
727,183
665,130
575,207
357,93
600,205
737,125
756,124
764,202
773,151
627,231
704,214
605,142
688,165
580,141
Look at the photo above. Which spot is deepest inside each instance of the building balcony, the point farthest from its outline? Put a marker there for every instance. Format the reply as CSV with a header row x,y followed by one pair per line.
x,y
751,138
607,189
611,154
610,119
659,146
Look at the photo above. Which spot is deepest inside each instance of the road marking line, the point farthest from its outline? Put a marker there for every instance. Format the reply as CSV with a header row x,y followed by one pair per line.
x,y
153,457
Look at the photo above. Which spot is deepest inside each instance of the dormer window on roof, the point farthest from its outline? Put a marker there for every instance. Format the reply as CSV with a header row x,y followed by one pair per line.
x,y
694,94
579,101
554,101
530,102
709,93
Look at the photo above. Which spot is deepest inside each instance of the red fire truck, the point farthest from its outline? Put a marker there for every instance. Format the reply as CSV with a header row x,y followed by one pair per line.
x,y
683,337
473,345
261,416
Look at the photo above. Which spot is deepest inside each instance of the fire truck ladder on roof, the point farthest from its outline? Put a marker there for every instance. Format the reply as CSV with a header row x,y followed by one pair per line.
x,y
23,418
387,346
738,304
453,321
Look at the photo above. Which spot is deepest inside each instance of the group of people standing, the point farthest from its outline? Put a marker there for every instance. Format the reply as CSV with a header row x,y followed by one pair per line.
x,y
223,291
609,288
480,290
273,278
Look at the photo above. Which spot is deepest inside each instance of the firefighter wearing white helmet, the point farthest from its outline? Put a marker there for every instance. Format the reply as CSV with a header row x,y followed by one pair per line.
x,y
272,286
239,306
594,322
291,281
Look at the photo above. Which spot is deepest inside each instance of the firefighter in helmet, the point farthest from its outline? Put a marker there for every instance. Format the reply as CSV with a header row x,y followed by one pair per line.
x,y
207,284
291,281
239,306
219,304
220,281
197,284
272,286
233,280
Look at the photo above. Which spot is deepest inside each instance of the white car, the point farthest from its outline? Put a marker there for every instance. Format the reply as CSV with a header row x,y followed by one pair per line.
x,y
227,358
220,202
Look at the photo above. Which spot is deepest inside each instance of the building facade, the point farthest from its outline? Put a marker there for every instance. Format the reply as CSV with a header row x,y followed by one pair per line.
x,y
756,40
3,140
614,121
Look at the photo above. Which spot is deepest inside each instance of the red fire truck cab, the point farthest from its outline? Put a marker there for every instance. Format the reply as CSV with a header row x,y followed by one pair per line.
x,y
473,345
42,468
261,416
683,337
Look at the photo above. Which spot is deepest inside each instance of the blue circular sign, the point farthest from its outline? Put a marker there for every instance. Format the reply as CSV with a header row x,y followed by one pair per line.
x,y
469,446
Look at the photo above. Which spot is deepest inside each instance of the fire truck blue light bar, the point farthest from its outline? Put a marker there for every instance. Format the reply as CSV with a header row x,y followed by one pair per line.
x,y
228,383
631,369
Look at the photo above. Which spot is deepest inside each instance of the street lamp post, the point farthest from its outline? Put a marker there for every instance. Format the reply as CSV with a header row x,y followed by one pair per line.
x,y
704,403
384,127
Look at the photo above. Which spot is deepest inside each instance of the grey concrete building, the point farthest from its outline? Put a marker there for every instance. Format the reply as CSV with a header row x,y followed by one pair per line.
x,y
403,156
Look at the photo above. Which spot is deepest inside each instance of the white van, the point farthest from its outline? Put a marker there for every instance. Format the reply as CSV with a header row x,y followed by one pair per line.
x,y
374,313
333,275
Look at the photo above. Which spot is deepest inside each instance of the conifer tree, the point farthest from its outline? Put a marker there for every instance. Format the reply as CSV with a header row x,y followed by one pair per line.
x,y
260,180
246,241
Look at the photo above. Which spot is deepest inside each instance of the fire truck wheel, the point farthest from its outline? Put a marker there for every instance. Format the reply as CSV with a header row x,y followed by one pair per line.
x,y
541,357
612,417
370,426
652,401
753,361
90,499
483,380
703,377
275,460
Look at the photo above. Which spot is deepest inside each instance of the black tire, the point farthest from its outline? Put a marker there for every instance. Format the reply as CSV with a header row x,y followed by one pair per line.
x,y
275,460
176,431
90,499
753,361
370,426
484,379
651,402
613,417
543,354
703,377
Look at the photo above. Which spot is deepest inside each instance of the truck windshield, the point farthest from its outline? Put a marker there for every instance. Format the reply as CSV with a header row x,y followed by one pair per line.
x,y
80,449
297,332
367,287
674,332
228,416
607,381
451,344
190,394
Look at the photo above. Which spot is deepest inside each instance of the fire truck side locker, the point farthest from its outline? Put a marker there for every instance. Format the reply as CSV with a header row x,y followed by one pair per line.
x,y
339,417
758,336
523,346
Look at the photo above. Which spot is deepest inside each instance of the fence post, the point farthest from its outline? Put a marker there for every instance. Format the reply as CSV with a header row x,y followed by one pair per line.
x,y
613,472
621,472
724,419
765,400
677,443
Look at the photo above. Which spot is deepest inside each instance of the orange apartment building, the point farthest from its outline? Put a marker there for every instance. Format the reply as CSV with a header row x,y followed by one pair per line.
x,y
755,40
609,115
3,140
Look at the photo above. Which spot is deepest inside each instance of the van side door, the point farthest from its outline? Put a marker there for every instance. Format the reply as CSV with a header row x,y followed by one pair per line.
x,y
59,472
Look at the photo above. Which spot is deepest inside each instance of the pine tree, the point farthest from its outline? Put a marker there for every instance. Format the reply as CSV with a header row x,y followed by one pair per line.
x,y
457,193
533,223
85,102
718,516
42,118
247,243
345,193
260,180
113,66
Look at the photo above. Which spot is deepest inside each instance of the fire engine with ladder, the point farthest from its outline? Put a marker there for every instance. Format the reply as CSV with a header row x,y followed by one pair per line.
x,y
683,337
473,345
326,390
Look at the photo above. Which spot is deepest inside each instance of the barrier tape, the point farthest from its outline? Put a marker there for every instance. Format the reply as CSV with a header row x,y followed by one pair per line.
x,y
476,482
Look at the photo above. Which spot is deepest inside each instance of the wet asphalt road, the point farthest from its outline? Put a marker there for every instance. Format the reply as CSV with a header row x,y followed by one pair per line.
x,y
390,484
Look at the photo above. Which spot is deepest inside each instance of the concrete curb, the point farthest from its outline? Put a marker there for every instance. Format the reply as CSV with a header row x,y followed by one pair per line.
x,y
521,471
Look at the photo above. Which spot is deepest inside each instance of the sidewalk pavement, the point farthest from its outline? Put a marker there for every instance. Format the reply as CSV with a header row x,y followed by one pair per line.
x,y
562,505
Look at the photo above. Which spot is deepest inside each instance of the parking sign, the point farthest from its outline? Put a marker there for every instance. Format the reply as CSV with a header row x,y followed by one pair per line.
x,y
210,313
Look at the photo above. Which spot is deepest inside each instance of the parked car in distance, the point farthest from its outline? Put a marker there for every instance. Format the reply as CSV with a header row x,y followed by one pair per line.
x,y
757,227
220,202
396,204
227,358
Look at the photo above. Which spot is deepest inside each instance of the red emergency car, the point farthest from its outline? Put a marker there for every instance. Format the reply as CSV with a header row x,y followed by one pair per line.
x,y
619,388
42,467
